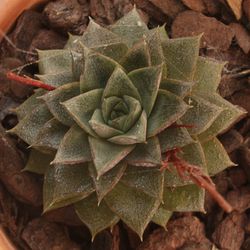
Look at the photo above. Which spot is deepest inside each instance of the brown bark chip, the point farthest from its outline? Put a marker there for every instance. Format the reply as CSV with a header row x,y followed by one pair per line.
x,y
229,234
24,186
216,34
67,16
40,235
236,7
242,36
196,5
242,98
182,231
246,8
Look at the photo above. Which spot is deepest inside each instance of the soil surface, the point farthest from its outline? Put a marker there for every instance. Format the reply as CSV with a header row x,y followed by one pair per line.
x,y
226,28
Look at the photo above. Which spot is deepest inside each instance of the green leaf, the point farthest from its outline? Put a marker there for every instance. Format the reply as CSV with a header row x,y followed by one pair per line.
x,y
202,114
137,134
216,156
38,162
120,85
177,87
104,41
130,27
147,81
184,199
100,127
146,154
136,57
95,217
98,69
162,216
107,181
146,180
30,104
226,119
168,108
66,184
54,99
50,136
181,55
174,137
193,154
28,128
207,75
133,206
83,106
58,79
74,148
54,61
107,155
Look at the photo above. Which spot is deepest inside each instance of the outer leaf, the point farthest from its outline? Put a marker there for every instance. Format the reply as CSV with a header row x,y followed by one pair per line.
x,y
173,137
28,128
192,153
107,181
207,75
146,180
119,85
130,27
216,156
184,199
177,87
38,162
58,79
168,108
50,136
103,41
98,69
54,99
65,184
29,105
137,57
226,119
146,154
162,216
134,207
100,127
107,155
137,134
201,115
74,148
95,217
181,55
147,81
82,107
54,61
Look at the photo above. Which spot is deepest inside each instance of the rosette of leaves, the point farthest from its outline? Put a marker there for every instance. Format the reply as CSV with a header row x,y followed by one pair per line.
x,y
122,97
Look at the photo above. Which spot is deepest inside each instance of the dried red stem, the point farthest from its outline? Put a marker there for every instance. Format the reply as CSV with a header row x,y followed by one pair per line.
x,y
28,81
194,173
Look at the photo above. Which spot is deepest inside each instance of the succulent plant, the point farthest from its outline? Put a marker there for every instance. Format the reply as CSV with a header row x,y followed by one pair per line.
x,y
120,99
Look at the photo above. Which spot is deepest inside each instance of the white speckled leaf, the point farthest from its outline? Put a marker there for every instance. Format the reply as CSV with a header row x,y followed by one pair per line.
x,y
38,162
66,184
96,218
107,181
146,154
28,128
50,136
54,99
107,155
184,199
133,206
216,156
181,55
201,115
74,148
168,108
162,216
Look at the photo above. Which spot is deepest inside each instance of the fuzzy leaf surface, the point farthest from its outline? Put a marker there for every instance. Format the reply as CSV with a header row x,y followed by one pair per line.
x,y
162,216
